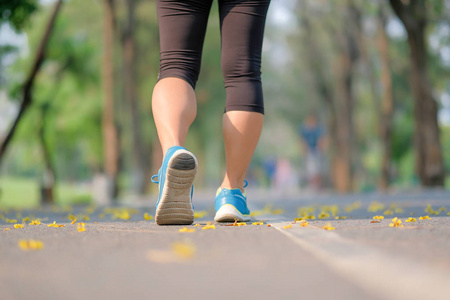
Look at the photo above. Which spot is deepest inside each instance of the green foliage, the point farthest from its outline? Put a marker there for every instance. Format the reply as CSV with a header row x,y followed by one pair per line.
x,y
17,12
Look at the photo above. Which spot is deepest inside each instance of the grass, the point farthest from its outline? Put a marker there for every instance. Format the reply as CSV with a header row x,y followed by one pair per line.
x,y
19,192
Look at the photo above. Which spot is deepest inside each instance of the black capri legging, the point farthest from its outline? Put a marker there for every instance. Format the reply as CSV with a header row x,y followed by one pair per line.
x,y
182,27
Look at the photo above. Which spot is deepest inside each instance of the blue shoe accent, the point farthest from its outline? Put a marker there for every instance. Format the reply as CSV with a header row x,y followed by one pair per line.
x,y
175,179
231,205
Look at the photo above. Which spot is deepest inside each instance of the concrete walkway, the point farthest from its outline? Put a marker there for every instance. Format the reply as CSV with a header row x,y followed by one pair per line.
x,y
120,258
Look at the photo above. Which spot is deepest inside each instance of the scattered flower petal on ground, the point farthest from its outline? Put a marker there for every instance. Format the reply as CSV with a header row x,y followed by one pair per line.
x,y
209,226
341,218
73,221
256,213
353,206
55,225
424,218
147,216
185,229
431,211
258,223
81,227
31,244
398,210
328,227
6,229
18,226
304,223
396,223
378,218
200,214
375,206
287,226
184,250
411,220
197,225
323,215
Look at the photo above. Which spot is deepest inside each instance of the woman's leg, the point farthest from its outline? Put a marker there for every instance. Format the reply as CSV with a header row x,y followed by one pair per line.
x,y
241,131
174,109
182,27
243,24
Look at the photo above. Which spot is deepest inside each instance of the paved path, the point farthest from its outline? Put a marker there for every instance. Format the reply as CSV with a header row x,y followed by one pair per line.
x,y
136,259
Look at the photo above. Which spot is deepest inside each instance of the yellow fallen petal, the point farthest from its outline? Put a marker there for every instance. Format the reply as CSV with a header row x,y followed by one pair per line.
x,y
147,216
18,226
31,245
304,224
55,225
81,227
424,218
185,229
411,220
26,219
200,214
6,229
328,227
323,215
340,218
256,213
71,217
209,226
73,221
277,211
375,206
378,218
35,222
257,223
197,225
287,226
184,250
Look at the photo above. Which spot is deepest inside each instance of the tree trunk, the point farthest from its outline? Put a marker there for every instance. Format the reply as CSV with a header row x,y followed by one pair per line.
x,y
110,137
428,151
347,57
48,180
27,88
387,101
129,79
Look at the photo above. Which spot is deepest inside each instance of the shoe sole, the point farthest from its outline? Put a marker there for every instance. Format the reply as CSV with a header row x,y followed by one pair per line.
x,y
228,213
175,205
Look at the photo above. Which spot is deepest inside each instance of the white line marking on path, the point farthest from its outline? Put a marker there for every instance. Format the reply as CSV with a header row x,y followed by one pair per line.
x,y
375,271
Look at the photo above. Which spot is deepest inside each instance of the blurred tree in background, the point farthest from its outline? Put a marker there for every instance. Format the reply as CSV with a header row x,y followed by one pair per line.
x,y
375,73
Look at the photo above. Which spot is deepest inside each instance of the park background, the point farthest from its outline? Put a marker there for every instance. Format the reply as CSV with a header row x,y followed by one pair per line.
x,y
76,77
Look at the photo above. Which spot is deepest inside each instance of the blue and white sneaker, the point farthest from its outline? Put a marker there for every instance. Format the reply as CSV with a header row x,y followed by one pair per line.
x,y
231,205
175,178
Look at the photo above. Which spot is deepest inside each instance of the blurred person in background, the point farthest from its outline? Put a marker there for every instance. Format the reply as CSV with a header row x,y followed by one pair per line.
x,y
312,135
182,27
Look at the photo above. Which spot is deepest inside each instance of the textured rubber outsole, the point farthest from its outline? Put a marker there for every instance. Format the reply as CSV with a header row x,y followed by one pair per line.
x,y
175,205
228,213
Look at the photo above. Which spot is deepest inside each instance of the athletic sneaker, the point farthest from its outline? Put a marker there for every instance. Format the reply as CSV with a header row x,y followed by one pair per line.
x,y
175,178
231,205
